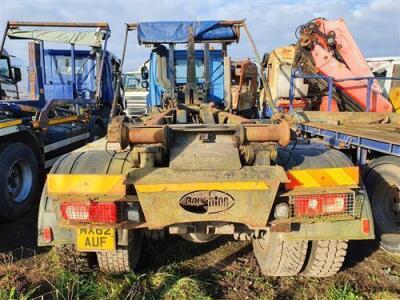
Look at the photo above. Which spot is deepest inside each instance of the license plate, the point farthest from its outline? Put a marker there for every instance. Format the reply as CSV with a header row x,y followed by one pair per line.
x,y
95,239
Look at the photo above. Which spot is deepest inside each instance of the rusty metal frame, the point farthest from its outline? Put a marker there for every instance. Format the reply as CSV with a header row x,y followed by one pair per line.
x,y
101,25
15,24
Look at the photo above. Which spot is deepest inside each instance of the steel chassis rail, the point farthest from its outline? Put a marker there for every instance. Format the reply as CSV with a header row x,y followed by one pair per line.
x,y
340,140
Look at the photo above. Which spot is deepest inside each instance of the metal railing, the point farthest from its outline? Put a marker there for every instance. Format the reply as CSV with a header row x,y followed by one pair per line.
x,y
330,81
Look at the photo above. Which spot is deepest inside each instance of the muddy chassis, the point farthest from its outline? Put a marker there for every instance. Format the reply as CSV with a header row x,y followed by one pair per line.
x,y
222,176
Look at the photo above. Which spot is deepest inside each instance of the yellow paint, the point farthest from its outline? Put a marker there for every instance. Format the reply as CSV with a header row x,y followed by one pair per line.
x,y
57,121
327,177
95,239
342,177
82,184
306,178
221,186
10,123
277,58
394,97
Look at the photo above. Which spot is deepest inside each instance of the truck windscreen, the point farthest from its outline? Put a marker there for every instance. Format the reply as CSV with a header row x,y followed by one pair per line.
x,y
132,82
4,68
64,65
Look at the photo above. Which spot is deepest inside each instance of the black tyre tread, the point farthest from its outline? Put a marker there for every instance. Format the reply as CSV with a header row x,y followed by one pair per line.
x,y
114,261
325,259
11,211
390,242
292,258
72,260
124,259
278,257
293,254
380,172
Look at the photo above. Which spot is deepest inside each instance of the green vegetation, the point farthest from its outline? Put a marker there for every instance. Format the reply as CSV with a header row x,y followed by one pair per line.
x,y
176,269
343,292
166,283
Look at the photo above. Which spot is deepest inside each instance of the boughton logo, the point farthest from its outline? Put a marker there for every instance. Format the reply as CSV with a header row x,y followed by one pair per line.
x,y
206,202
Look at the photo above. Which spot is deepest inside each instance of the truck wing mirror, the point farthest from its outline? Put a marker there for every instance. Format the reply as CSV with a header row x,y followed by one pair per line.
x,y
16,72
145,84
145,73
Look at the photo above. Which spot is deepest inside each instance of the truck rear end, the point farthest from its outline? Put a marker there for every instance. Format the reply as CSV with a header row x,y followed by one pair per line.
x,y
201,181
192,168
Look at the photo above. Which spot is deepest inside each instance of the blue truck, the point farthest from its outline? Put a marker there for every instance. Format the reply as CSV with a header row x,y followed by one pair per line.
x,y
215,78
68,102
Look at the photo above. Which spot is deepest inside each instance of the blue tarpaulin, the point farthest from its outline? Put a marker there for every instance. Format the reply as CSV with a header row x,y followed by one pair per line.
x,y
177,31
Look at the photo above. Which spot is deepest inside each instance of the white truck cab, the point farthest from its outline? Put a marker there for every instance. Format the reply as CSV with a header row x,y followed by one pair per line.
x,y
135,95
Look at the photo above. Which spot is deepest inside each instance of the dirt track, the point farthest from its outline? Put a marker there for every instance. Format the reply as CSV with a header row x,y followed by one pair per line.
x,y
225,268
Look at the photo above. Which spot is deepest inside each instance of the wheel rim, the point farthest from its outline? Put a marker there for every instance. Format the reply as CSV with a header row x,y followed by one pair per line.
x,y
19,182
392,204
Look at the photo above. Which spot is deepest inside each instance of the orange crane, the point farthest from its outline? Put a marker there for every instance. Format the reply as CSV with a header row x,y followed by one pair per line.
x,y
327,48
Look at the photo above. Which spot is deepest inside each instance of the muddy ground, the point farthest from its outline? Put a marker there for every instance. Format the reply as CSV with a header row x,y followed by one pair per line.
x,y
174,268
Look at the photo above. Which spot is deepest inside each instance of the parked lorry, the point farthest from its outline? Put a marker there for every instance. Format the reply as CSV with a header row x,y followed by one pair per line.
x,y
9,77
135,95
193,169
70,95
165,75
346,107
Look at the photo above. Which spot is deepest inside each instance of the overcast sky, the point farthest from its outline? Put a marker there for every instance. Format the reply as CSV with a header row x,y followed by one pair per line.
x,y
375,24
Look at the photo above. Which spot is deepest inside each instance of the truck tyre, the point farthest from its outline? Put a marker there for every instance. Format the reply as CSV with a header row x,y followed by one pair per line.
x,y
123,259
74,261
312,157
19,180
325,258
382,180
278,257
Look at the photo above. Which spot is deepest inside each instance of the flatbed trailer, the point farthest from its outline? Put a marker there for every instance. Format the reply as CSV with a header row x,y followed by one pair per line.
x,y
372,140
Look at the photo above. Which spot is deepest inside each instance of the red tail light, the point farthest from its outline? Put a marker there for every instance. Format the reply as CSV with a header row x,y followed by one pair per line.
x,y
75,211
319,205
103,212
89,212
365,227
47,233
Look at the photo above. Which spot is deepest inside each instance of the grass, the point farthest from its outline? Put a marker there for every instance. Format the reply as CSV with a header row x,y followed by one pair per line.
x,y
13,294
182,271
343,292
167,283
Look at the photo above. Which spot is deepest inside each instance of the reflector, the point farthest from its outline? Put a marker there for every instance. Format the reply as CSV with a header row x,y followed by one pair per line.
x,y
322,204
75,211
47,233
103,212
365,226
89,212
